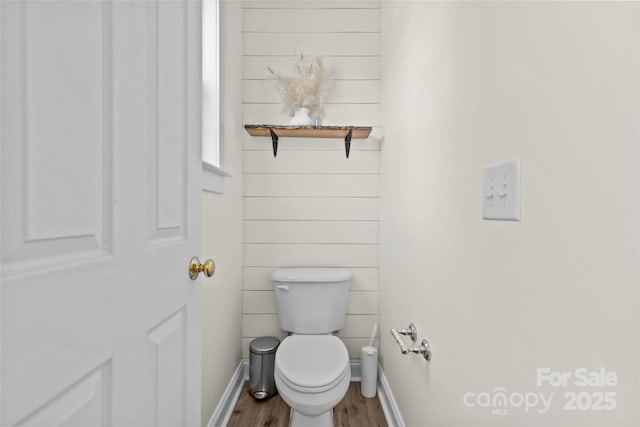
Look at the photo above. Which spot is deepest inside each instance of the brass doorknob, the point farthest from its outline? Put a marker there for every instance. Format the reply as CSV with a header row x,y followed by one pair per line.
x,y
195,268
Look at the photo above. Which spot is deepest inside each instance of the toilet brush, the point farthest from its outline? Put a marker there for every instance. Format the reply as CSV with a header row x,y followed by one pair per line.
x,y
373,334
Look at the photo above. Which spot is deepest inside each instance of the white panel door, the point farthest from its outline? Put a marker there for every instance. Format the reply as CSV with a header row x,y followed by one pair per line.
x,y
100,161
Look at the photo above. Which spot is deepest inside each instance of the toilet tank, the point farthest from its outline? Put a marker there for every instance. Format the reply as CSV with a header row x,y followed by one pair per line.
x,y
311,300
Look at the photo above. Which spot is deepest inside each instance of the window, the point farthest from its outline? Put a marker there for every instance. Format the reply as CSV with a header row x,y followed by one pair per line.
x,y
212,168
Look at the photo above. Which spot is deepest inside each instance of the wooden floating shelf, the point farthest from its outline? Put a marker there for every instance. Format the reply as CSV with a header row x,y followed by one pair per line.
x,y
276,131
358,132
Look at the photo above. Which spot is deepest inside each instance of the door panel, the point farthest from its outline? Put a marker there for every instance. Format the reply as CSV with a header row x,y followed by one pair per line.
x,y
57,107
168,344
86,401
168,184
100,212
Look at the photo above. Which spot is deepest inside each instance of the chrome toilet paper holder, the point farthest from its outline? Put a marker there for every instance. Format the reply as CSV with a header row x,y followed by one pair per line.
x,y
423,349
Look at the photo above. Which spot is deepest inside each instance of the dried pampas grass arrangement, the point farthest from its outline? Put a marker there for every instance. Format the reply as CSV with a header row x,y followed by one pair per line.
x,y
304,88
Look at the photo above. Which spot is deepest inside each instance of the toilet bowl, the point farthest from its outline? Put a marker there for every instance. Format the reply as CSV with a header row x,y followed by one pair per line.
x,y
312,374
312,371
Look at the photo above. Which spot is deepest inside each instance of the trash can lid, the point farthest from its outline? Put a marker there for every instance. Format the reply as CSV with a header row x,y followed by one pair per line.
x,y
264,345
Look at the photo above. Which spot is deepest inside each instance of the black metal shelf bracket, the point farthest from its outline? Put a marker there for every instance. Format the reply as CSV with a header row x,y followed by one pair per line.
x,y
347,142
274,142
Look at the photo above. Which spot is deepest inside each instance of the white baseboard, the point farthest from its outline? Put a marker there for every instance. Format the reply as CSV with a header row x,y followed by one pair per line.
x,y
228,401
356,371
388,402
229,398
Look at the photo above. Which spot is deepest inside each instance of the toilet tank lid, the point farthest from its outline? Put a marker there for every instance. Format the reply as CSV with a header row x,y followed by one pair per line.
x,y
311,274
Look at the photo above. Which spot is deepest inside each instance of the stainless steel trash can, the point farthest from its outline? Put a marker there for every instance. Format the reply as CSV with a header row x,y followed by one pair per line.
x,y
262,358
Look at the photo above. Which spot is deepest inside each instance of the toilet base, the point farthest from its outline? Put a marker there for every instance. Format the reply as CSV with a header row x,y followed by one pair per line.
x,y
324,419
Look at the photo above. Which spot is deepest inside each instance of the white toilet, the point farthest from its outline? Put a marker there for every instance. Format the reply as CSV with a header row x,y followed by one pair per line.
x,y
312,371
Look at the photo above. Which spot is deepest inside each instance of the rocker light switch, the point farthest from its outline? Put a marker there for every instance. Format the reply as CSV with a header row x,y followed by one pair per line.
x,y
501,192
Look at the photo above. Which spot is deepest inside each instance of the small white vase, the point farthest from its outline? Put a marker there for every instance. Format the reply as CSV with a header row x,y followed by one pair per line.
x,y
301,117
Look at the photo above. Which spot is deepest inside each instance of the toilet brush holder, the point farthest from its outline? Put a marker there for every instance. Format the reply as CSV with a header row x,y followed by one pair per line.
x,y
369,371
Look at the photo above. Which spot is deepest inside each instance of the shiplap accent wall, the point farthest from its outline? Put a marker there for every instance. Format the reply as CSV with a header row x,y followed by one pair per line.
x,y
311,206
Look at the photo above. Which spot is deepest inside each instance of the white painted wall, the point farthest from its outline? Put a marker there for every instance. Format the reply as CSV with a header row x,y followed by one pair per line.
x,y
222,232
471,84
310,206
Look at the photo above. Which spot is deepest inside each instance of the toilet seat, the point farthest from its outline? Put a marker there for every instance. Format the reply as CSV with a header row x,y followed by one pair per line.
x,y
312,363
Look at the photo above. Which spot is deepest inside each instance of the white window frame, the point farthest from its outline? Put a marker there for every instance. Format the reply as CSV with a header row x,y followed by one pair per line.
x,y
213,172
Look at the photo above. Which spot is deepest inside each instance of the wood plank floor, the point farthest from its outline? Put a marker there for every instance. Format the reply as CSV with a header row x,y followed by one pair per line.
x,y
354,411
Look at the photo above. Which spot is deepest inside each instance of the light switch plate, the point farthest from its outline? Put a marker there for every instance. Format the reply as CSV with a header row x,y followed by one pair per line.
x,y
501,192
